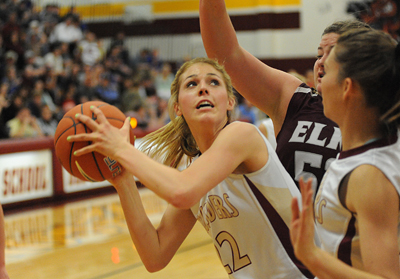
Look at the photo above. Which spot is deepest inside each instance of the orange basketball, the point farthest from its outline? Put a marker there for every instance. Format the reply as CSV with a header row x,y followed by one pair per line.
x,y
92,166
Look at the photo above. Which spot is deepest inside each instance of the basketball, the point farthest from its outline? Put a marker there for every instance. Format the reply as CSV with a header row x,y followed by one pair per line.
x,y
92,166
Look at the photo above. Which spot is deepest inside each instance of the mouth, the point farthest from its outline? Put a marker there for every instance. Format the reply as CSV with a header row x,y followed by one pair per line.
x,y
204,104
321,74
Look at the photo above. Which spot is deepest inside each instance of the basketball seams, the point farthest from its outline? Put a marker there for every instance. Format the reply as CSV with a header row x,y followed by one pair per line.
x,y
67,129
92,165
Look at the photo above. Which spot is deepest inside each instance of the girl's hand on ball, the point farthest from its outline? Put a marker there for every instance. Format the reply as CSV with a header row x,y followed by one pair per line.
x,y
105,138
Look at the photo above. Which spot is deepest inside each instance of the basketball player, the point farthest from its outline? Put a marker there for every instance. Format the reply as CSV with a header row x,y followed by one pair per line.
x,y
306,140
235,187
357,206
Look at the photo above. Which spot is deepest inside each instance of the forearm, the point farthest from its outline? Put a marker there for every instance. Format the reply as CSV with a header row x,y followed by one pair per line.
x,y
325,266
166,182
218,34
144,235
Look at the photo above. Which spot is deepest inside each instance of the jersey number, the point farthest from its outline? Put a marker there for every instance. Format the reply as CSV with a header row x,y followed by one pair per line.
x,y
238,261
314,160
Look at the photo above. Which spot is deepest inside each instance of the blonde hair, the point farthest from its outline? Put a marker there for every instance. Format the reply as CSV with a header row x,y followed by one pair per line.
x,y
170,143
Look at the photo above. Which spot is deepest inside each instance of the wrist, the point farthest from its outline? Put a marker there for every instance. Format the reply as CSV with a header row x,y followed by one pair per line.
x,y
122,151
311,257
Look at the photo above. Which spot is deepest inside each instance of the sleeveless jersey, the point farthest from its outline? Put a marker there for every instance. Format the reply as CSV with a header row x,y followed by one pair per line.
x,y
336,226
269,126
308,141
248,218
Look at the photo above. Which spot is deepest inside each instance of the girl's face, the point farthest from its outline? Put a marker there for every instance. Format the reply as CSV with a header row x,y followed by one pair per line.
x,y
203,95
331,88
328,41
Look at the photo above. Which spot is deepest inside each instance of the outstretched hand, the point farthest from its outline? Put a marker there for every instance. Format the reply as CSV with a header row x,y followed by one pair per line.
x,y
105,138
302,224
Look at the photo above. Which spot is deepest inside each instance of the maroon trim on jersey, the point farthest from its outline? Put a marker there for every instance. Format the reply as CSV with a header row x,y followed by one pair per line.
x,y
344,250
280,228
375,144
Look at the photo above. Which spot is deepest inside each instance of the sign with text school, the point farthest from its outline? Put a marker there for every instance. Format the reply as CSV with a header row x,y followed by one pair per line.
x,y
26,176
72,184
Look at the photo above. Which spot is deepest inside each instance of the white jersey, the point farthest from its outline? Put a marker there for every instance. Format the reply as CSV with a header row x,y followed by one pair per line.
x,y
269,126
336,226
248,217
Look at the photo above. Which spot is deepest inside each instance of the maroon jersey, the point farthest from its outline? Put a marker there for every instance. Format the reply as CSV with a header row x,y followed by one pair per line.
x,y
308,141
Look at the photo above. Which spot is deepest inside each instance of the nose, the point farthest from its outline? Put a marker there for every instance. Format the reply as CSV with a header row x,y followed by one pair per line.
x,y
322,60
203,88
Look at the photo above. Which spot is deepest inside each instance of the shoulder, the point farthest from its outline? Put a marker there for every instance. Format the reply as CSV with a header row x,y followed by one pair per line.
x,y
241,136
368,186
240,128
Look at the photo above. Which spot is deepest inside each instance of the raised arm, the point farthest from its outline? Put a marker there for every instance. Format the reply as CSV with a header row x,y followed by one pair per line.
x,y
156,247
267,88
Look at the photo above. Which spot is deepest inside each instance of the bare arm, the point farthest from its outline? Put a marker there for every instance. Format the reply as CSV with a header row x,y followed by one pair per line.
x,y
267,88
156,247
239,144
378,213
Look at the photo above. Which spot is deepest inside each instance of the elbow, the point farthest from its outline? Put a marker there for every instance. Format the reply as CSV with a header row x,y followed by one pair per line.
x,y
154,264
152,268
182,198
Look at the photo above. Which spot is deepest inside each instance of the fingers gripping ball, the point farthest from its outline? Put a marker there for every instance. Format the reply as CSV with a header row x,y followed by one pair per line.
x,y
92,166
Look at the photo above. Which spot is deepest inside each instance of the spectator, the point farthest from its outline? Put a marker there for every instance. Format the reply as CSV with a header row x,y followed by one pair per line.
x,y
32,70
35,104
24,125
2,57
106,92
68,99
54,61
90,53
33,36
66,32
119,41
247,112
131,99
163,81
16,45
11,58
3,104
10,26
46,121
16,102
14,82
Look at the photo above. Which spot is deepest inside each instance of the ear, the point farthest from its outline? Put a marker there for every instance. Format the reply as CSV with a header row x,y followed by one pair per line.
x,y
347,87
350,88
231,103
177,109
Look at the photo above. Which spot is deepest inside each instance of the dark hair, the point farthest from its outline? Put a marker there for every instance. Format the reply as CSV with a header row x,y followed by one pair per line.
x,y
371,58
340,27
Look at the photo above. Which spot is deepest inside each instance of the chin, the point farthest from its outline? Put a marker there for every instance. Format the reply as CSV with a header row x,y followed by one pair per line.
x,y
319,89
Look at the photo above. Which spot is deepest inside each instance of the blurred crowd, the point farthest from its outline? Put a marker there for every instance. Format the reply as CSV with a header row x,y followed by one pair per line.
x,y
49,63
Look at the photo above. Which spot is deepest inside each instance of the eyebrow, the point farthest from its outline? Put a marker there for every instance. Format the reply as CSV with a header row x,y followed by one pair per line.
x,y
194,75
332,46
